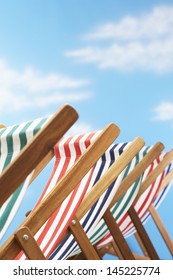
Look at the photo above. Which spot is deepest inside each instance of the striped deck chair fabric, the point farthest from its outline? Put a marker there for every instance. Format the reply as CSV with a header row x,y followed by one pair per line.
x,y
143,203
90,221
67,151
159,198
150,196
100,230
12,140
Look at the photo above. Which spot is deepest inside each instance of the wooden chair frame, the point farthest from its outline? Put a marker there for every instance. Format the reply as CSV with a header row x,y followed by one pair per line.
x,y
23,238
122,249
141,234
36,151
38,217
96,149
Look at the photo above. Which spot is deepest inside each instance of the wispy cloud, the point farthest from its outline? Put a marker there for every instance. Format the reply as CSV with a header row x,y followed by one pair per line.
x,y
153,25
31,89
144,42
163,111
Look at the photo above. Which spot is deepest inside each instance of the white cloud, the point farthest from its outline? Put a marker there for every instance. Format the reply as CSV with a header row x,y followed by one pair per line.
x,y
31,89
156,24
164,111
134,43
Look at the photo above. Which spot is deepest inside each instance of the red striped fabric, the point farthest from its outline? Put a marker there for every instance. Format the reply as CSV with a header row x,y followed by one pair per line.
x,y
67,151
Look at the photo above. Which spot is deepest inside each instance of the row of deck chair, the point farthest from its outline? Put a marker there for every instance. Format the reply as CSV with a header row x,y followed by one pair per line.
x,y
99,191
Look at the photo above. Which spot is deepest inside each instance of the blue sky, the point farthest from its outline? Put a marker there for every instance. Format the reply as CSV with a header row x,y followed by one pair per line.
x,y
112,60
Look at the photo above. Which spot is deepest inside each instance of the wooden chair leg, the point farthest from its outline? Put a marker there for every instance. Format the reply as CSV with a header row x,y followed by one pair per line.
x,y
161,228
28,244
83,241
111,249
143,234
141,244
140,257
116,250
118,237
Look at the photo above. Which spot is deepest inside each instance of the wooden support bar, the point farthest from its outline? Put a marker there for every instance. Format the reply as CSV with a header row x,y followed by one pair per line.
x,y
28,244
117,236
143,234
112,249
109,177
137,171
141,244
161,228
140,257
83,241
166,180
155,173
1,125
35,151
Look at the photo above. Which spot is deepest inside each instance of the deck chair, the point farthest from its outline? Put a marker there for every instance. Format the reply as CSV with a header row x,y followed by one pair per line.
x,y
53,200
105,175
61,190
125,202
147,211
143,164
13,139
69,243
153,213
143,203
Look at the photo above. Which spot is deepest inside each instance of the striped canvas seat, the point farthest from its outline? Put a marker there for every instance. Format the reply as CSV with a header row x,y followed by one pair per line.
x,y
93,222
67,151
49,226
149,197
159,198
143,203
12,141
90,221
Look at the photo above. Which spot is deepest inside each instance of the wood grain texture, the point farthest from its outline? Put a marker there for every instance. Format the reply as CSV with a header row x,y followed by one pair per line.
x,y
28,244
118,236
137,171
54,199
155,173
84,243
143,234
109,177
35,151
161,228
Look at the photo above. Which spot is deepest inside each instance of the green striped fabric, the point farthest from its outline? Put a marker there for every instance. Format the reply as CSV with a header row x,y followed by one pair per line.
x,y
12,140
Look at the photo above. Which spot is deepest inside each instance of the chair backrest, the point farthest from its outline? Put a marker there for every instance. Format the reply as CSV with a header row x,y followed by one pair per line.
x,y
102,189
150,188
12,141
128,188
18,143
65,186
150,184
92,178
